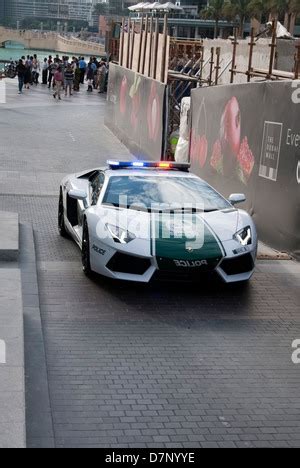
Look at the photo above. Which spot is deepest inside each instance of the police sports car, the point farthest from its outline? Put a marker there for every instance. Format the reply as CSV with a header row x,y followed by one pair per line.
x,y
140,221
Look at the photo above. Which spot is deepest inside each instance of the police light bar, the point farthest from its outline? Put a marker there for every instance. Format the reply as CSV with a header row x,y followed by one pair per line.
x,y
168,165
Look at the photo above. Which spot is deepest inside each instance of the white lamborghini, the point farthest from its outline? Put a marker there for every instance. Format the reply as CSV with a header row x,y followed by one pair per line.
x,y
139,221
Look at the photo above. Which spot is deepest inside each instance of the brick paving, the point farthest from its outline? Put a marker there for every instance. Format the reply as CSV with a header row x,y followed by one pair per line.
x,y
147,366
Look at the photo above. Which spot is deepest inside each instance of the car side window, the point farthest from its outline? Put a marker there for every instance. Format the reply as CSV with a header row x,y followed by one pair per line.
x,y
96,186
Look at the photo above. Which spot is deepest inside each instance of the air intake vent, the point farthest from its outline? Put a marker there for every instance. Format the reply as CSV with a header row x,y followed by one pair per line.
x,y
238,265
122,263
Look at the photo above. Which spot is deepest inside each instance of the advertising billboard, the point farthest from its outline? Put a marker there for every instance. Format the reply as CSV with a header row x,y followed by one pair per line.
x,y
246,138
136,112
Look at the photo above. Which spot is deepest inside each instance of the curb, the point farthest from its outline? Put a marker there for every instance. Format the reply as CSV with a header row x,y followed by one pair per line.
x,y
268,253
39,424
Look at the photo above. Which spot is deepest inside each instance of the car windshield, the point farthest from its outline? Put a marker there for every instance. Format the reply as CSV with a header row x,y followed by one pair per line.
x,y
163,193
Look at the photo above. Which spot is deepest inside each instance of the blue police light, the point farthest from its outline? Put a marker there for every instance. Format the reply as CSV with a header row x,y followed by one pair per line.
x,y
167,165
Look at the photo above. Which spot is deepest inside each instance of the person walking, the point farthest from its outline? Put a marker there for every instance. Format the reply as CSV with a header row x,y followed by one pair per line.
x,y
58,79
45,68
102,71
51,68
82,68
90,78
27,76
21,70
77,76
36,68
69,80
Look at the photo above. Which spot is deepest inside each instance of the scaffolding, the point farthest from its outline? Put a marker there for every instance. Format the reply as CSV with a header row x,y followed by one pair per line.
x,y
186,64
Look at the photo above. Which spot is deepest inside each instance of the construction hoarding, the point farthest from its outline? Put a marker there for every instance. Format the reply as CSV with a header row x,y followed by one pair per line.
x,y
136,112
246,138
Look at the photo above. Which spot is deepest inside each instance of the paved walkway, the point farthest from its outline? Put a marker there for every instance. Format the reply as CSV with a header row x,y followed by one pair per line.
x,y
156,365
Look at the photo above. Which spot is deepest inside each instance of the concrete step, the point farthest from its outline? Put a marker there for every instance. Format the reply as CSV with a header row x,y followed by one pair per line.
x,y
12,373
12,380
9,236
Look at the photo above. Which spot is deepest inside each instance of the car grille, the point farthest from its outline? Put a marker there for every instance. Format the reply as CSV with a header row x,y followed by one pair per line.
x,y
238,265
122,263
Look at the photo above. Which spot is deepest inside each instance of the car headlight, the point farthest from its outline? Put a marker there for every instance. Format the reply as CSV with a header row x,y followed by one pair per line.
x,y
119,235
244,236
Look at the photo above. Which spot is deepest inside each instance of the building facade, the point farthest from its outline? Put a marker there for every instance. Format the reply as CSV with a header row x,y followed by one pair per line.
x,y
64,10
5,10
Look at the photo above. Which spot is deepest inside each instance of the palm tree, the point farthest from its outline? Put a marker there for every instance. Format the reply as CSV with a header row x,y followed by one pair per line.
x,y
214,11
290,9
237,9
258,8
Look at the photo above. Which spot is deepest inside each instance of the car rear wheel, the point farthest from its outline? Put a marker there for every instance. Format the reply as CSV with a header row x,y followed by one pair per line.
x,y
86,258
61,219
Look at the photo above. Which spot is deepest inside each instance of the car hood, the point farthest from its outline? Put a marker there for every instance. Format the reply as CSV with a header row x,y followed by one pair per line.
x,y
217,224
223,223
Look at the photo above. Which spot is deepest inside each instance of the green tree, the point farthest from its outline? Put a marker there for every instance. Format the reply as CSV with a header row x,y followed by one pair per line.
x,y
237,10
258,8
215,11
285,9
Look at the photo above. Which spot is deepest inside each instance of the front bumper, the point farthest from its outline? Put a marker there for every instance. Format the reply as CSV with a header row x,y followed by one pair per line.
x,y
127,267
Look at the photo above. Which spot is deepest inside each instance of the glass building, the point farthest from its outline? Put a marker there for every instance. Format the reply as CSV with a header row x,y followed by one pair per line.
x,y
81,10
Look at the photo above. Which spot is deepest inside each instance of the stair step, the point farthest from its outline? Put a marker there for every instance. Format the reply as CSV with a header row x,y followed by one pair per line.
x,y
9,236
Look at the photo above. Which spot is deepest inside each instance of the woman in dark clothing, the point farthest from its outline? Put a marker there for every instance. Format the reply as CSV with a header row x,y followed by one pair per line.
x,y
77,77
27,76
90,78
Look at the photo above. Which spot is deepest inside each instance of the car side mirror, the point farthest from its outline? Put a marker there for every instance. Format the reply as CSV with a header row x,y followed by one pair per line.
x,y
236,198
79,195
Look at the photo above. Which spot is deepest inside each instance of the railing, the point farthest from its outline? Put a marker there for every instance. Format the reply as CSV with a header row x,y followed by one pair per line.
x,y
27,35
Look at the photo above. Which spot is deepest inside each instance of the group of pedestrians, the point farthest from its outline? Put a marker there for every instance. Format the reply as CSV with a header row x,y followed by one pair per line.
x,y
63,74
28,70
